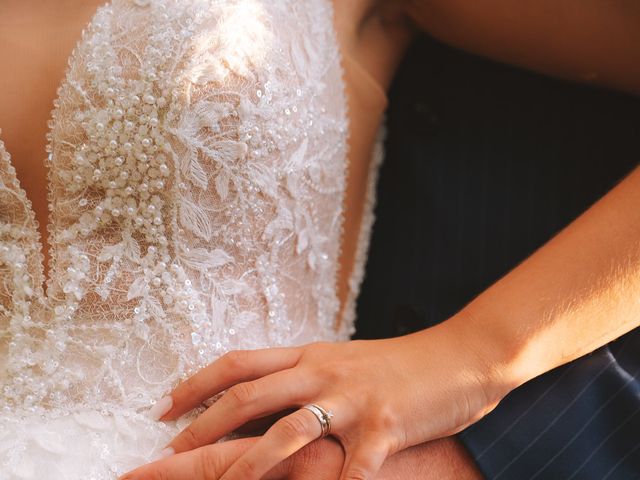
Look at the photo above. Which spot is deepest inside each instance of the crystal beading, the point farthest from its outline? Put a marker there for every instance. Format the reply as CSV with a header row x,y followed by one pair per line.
x,y
197,153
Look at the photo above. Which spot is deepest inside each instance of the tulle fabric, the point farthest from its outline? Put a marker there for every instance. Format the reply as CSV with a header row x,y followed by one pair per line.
x,y
85,444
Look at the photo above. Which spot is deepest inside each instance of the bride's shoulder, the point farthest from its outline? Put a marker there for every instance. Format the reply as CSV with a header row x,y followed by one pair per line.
x,y
373,35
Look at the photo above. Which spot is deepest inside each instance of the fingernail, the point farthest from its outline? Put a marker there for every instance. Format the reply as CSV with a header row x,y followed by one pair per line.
x,y
167,452
161,407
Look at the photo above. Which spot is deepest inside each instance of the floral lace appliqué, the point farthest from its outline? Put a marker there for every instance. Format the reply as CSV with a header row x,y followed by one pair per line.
x,y
197,158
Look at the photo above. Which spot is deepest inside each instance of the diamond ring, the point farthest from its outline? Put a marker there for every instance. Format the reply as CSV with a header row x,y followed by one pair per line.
x,y
323,416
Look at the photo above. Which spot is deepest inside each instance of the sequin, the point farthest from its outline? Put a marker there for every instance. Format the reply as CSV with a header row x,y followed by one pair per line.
x,y
197,180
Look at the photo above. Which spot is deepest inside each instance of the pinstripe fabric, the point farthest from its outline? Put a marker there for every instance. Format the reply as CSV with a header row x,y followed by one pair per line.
x,y
484,164
580,428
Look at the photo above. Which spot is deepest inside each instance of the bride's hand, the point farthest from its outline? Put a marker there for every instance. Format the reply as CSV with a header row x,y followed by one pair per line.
x,y
385,395
320,460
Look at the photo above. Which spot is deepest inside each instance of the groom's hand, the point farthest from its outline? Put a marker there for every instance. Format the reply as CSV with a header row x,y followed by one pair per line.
x,y
443,459
320,460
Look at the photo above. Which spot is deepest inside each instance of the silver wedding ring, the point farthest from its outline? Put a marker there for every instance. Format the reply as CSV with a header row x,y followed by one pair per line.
x,y
323,416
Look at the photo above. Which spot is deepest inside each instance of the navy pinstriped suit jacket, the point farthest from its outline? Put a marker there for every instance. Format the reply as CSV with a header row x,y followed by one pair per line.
x,y
484,164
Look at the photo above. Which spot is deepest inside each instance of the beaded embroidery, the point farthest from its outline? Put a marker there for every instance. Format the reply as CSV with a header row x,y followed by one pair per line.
x,y
196,176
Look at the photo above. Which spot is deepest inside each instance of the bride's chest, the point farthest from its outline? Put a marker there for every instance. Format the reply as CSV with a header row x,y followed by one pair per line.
x,y
234,55
196,156
223,88
185,124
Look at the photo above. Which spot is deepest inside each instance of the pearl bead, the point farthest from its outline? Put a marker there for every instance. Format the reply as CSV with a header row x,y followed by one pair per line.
x,y
192,262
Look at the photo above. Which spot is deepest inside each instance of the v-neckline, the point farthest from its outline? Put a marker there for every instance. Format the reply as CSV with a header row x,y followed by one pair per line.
x,y
45,266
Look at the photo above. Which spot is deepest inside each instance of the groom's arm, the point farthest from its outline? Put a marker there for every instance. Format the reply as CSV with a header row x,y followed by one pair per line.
x,y
591,41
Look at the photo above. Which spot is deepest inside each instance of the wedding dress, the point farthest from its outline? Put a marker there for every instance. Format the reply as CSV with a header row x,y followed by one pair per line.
x,y
197,172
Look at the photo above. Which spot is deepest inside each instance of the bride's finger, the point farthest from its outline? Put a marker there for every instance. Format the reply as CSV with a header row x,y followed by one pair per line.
x,y
244,402
204,463
283,439
234,367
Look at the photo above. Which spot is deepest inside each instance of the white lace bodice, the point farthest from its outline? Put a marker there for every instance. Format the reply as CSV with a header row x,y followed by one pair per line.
x,y
197,159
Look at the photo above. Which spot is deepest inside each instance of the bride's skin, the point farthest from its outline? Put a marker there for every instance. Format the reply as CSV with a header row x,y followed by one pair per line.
x,y
36,38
